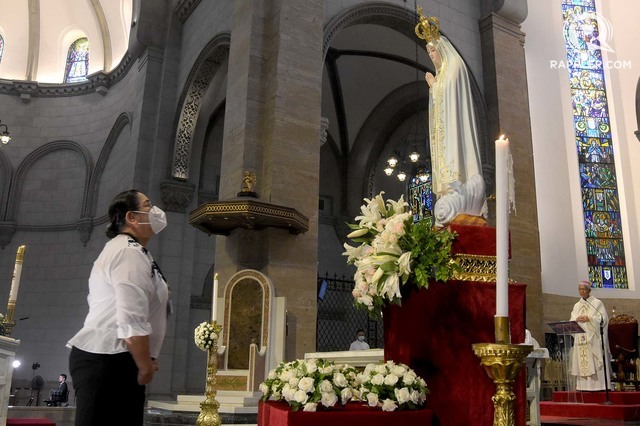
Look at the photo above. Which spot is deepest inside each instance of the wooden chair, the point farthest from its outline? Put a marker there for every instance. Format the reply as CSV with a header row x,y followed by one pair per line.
x,y
623,342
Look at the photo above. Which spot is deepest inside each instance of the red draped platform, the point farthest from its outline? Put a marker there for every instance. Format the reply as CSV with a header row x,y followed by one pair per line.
x,y
273,413
625,407
434,330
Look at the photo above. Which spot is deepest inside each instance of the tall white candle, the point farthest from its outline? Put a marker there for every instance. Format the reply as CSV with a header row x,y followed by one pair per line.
x,y
17,273
214,298
502,228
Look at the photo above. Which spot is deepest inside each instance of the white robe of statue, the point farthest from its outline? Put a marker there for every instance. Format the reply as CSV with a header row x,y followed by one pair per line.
x,y
586,356
454,136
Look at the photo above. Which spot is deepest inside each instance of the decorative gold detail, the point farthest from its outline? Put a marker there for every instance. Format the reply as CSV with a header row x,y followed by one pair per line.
x,y
20,254
209,415
468,219
502,361
428,28
248,181
232,383
9,322
623,319
476,267
502,331
222,217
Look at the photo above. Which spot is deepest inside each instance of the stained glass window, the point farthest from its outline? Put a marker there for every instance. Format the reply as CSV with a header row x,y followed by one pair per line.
x,y
421,198
600,199
1,47
77,61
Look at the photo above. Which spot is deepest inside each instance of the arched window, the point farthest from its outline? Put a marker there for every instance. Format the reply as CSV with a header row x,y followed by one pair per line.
x,y
421,196
77,61
1,47
600,199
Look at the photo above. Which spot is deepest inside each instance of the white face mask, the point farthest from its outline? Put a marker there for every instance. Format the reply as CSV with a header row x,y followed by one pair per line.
x,y
361,338
157,219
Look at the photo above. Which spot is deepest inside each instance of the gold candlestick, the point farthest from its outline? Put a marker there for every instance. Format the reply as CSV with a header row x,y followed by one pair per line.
x,y
209,415
502,362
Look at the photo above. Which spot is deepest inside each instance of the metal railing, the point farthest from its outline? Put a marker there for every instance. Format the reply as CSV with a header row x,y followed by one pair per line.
x,y
338,318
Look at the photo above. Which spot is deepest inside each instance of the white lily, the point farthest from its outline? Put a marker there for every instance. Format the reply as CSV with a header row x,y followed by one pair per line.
x,y
358,233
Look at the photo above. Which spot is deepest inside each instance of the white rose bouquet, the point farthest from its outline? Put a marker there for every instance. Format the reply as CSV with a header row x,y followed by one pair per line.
x,y
394,250
308,384
204,335
390,386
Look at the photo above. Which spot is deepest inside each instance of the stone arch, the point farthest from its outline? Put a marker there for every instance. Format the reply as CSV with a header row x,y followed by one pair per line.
x,y
121,122
32,158
384,14
6,173
189,104
374,134
208,174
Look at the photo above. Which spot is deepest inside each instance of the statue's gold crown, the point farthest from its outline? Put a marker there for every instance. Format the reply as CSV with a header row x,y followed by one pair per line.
x,y
428,28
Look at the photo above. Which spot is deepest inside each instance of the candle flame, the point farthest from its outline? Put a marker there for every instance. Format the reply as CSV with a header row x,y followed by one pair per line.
x,y
215,276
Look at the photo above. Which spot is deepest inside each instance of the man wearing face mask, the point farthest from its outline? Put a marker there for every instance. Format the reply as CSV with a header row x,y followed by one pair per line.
x,y
359,344
115,354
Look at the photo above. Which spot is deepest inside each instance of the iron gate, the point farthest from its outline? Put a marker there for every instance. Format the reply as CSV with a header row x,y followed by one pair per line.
x,y
338,318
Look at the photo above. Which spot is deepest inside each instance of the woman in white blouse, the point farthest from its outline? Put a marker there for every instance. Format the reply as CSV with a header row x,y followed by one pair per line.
x,y
115,354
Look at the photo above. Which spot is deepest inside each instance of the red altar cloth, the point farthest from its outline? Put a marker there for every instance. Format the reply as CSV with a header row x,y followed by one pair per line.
x,y
433,331
273,413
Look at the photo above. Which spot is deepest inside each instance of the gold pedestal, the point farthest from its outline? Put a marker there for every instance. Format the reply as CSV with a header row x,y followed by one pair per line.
x,y
209,415
502,362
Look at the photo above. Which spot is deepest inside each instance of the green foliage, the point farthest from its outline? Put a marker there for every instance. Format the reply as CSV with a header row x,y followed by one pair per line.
x,y
430,253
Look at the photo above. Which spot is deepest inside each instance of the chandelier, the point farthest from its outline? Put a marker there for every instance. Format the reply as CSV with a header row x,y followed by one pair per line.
x,y
4,134
406,161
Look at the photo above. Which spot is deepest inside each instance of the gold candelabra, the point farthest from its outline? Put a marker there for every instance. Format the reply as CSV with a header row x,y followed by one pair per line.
x,y
502,362
209,415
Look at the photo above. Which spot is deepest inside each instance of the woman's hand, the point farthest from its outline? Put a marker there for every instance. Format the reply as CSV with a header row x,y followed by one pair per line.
x,y
139,349
431,79
145,374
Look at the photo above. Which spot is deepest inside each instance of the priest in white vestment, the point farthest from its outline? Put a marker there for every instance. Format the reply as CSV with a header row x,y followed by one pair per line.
x,y
587,362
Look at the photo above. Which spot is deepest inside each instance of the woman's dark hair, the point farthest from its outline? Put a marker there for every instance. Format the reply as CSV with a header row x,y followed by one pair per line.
x,y
120,205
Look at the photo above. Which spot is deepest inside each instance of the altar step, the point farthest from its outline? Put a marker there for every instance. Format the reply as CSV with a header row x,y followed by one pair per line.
x,y
587,408
235,402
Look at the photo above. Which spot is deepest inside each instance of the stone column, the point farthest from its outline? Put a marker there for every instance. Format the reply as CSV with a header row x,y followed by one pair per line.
x,y
271,128
506,95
